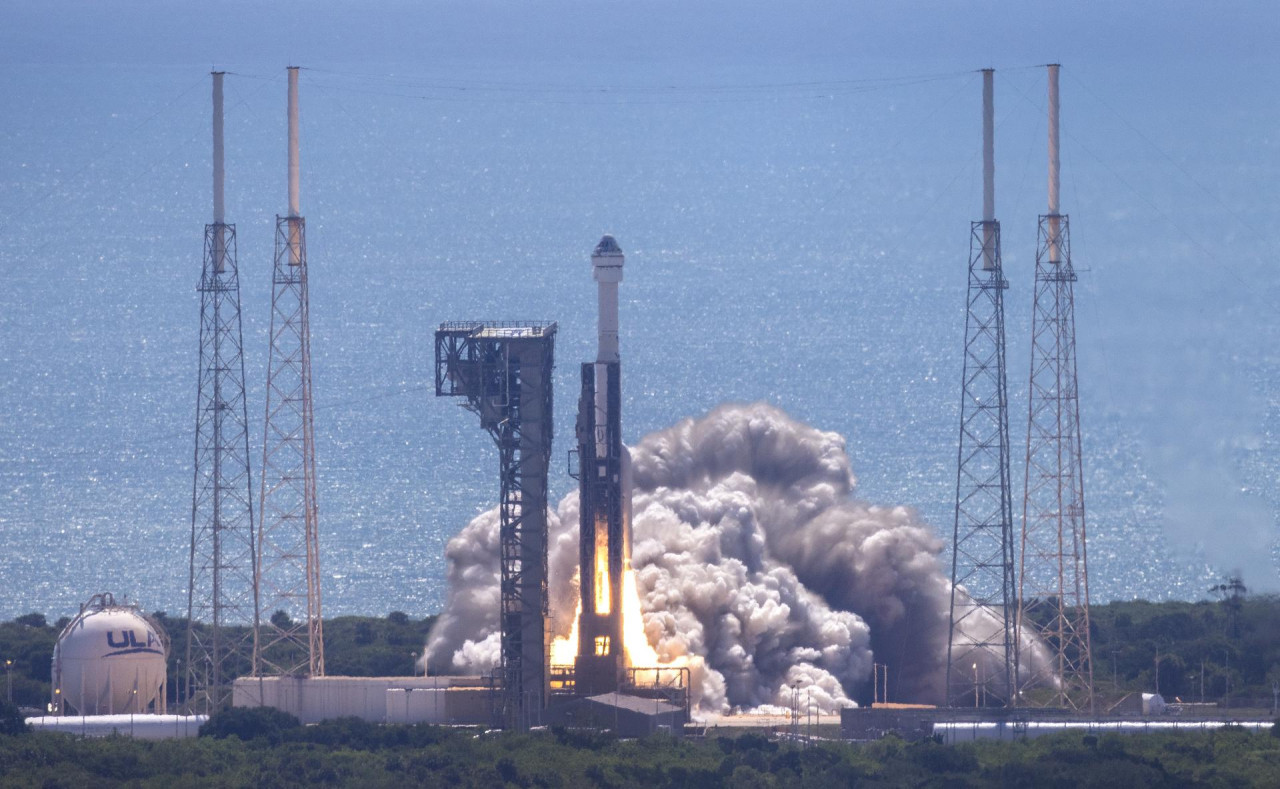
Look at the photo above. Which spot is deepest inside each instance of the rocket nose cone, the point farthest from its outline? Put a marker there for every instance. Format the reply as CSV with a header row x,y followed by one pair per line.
x,y
607,246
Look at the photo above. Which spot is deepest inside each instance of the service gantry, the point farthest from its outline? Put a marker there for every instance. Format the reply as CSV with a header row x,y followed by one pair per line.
x,y
503,370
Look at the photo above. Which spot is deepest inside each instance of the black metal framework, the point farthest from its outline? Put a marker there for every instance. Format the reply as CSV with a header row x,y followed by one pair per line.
x,y
601,536
220,589
503,369
980,652
1053,599
289,639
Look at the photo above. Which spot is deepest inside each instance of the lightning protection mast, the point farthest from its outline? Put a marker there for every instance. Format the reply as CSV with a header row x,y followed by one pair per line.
x,y
220,588
289,639
1053,600
980,650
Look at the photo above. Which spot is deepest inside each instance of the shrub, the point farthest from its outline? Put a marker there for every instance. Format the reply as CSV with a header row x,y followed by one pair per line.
x,y
11,720
32,620
250,723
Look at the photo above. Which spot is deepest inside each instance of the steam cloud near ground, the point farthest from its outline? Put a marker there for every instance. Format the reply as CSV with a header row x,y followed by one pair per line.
x,y
753,559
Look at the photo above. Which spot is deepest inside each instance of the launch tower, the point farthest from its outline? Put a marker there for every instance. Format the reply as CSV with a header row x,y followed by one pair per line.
x,y
980,651
1053,599
220,589
504,372
290,637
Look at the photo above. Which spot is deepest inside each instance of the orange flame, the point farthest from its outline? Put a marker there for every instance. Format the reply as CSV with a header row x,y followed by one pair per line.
x,y
565,650
602,567
637,651
635,643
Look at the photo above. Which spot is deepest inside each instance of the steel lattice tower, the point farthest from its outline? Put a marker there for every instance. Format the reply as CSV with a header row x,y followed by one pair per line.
x,y
220,589
290,637
1053,599
980,651
504,372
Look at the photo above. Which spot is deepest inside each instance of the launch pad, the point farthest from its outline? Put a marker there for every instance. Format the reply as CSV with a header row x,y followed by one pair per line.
x,y
503,369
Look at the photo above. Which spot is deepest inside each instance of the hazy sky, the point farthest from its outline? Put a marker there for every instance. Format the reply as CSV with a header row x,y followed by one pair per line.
x,y
639,31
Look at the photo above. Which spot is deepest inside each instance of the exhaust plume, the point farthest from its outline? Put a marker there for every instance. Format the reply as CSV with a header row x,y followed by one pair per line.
x,y
753,560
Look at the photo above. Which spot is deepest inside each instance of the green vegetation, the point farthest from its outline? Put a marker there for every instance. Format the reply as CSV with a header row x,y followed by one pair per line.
x,y
356,646
350,752
28,642
11,720
1236,636
1233,642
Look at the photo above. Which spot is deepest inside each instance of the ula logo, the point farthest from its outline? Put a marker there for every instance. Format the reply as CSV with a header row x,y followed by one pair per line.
x,y
128,638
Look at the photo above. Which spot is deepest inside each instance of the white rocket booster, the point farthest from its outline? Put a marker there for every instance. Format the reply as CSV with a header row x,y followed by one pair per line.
x,y
606,268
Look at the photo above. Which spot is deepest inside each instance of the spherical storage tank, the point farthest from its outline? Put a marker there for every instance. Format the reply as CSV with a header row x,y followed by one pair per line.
x,y
110,660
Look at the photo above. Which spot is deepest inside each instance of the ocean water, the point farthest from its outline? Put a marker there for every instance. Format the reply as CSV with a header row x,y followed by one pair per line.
x,y
793,191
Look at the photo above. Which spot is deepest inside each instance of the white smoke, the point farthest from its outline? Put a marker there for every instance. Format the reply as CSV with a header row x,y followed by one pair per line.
x,y
753,559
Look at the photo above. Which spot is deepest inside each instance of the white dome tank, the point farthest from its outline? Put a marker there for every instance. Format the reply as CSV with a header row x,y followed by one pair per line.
x,y
110,660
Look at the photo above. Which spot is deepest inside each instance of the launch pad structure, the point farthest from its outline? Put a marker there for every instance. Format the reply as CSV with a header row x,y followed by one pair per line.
x,y
288,574
981,648
1053,599
222,559
503,369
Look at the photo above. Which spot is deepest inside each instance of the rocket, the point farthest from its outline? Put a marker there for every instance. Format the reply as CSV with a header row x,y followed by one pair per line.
x,y
604,491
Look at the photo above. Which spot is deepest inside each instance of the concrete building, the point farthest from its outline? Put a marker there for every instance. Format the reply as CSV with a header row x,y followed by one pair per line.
x,y
627,716
441,700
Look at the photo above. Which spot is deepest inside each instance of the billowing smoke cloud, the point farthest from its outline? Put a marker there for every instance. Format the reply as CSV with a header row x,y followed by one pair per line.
x,y
753,559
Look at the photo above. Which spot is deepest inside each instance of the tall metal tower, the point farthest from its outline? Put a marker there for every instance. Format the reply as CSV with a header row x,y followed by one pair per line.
x,y
504,372
220,588
980,652
1053,599
290,637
